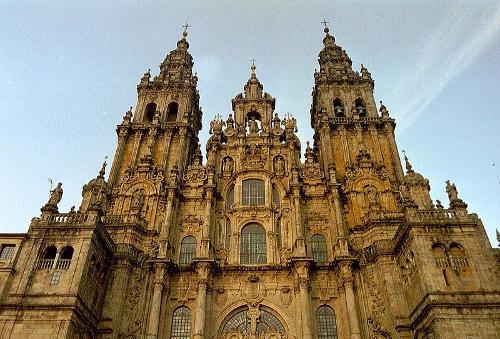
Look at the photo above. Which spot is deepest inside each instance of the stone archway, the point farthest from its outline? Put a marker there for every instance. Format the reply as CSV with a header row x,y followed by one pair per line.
x,y
252,323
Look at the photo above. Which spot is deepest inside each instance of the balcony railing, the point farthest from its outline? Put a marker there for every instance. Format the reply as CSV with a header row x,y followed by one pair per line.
x,y
68,218
431,215
63,264
123,219
45,264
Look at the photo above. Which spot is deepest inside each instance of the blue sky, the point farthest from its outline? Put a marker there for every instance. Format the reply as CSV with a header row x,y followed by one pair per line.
x,y
69,71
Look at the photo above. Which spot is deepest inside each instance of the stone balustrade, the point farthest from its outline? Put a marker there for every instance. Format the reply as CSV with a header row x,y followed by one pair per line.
x,y
121,219
433,215
45,264
68,218
63,264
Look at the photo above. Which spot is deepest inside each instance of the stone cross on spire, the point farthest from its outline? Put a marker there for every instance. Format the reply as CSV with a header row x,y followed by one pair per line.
x,y
253,67
185,26
325,23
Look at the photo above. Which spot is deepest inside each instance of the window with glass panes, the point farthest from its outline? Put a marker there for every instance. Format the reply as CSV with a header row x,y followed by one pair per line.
x,y
252,192
318,248
325,318
7,251
188,250
253,245
181,323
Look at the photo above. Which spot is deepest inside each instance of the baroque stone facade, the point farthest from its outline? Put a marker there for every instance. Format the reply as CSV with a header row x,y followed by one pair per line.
x,y
254,242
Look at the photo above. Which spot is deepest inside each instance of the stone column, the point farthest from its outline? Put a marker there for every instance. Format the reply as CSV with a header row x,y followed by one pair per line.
x,y
302,272
398,169
345,145
154,315
352,312
203,269
135,150
120,149
166,224
300,244
205,237
326,145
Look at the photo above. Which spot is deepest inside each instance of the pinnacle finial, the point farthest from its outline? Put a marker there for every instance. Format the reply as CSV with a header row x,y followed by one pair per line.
x,y
185,26
103,168
325,23
407,163
253,67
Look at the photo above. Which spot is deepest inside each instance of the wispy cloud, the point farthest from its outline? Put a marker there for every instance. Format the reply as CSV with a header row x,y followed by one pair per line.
x,y
451,49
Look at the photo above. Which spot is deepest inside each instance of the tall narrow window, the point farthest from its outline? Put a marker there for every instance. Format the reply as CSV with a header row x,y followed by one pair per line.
x,y
172,110
327,327
360,107
7,252
318,249
65,258
181,323
149,112
188,250
228,234
230,198
253,245
253,192
338,108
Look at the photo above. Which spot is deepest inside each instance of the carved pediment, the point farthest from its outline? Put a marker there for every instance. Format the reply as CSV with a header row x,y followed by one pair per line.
x,y
191,222
253,156
135,173
365,171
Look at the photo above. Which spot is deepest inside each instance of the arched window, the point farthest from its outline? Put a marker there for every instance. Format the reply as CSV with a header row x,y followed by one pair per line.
x,y
188,250
230,198
327,327
318,249
240,323
65,258
149,112
48,257
181,323
457,256
172,110
360,107
253,192
253,245
338,108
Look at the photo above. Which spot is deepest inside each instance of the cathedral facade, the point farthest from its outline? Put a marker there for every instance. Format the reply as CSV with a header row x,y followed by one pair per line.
x,y
253,242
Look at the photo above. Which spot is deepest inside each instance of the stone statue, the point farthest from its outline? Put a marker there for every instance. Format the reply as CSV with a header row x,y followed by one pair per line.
x,y
227,166
253,127
138,199
55,195
279,166
451,189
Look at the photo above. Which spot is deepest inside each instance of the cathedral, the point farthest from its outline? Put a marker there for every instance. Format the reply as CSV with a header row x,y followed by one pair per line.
x,y
255,240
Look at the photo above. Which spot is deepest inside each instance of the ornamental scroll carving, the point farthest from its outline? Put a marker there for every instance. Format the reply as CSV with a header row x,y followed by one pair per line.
x,y
132,319
377,307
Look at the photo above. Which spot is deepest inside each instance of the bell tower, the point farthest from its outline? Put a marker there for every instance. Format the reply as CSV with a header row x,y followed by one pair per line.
x,y
157,141
351,136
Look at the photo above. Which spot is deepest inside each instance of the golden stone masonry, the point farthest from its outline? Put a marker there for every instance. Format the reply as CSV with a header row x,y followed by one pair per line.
x,y
253,243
